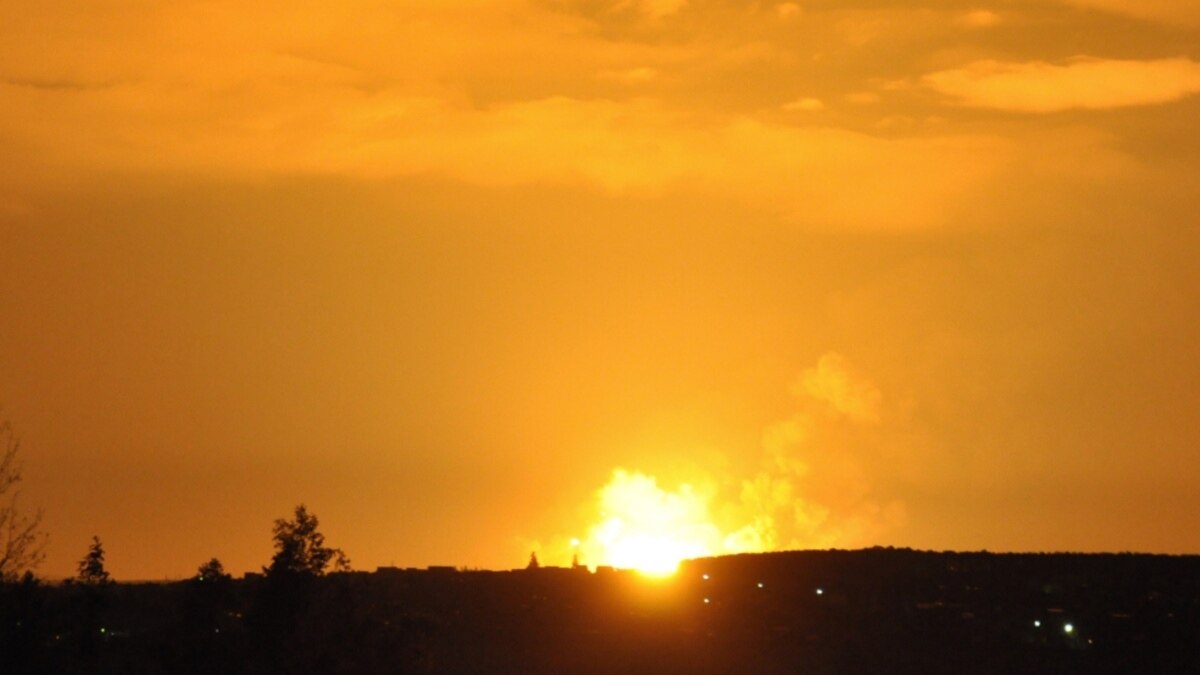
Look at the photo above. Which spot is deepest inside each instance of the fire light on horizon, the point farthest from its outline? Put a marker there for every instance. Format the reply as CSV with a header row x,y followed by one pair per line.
x,y
649,529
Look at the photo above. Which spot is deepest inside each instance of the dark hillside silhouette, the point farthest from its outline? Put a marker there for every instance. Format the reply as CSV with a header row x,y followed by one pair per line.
x,y
870,611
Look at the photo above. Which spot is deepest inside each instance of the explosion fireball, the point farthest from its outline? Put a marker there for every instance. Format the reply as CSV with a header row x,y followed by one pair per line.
x,y
649,529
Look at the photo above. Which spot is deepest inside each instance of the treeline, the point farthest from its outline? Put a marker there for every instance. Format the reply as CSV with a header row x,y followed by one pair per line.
x,y
299,616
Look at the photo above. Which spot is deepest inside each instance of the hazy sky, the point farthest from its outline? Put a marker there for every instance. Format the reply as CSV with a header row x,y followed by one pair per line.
x,y
858,272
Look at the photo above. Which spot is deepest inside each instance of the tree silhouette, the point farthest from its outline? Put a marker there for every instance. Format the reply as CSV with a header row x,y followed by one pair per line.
x,y
290,599
91,567
533,562
22,542
300,548
212,570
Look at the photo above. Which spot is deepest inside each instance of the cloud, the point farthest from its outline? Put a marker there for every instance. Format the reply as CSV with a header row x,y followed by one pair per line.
x,y
980,18
804,104
661,8
550,93
1169,11
61,84
629,76
863,97
821,176
653,9
1084,83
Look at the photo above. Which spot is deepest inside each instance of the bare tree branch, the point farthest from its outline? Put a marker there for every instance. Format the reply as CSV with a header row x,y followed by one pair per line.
x,y
22,542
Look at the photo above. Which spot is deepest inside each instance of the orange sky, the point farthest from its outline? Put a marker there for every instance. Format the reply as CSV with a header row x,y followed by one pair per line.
x,y
921,271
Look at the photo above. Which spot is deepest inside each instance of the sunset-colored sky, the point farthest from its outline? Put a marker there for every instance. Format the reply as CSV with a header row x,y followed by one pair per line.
x,y
472,278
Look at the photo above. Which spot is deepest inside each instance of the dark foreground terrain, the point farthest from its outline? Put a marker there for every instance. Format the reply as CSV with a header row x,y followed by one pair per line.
x,y
872,611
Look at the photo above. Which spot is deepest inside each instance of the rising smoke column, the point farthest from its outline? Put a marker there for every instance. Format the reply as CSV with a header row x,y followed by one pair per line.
x,y
815,488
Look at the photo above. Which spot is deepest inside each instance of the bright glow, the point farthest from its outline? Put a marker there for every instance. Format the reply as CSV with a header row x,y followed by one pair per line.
x,y
575,542
760,584
706,601
1037,623
651,530
820,591
1068,629
704,576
